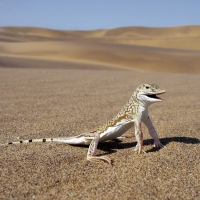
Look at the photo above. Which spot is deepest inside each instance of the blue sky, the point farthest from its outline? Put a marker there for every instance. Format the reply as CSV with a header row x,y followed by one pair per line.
x,y
98,14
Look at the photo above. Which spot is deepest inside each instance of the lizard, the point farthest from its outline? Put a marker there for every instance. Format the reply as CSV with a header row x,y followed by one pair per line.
x,y
132,114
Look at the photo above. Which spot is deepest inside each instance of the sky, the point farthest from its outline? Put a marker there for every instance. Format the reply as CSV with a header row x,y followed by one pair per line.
x,y
98,14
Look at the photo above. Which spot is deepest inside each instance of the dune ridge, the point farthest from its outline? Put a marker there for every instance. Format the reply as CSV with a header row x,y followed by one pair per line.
x,y
174,49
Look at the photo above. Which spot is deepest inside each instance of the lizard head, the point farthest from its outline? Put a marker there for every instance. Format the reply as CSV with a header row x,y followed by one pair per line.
x,y
146,94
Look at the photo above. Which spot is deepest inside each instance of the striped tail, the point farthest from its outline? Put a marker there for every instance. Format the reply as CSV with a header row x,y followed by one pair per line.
x,y
37,140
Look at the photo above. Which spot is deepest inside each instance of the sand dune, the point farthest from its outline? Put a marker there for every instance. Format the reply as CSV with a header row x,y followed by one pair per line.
x,y
174,49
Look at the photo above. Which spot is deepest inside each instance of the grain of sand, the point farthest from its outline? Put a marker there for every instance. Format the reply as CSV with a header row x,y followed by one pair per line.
x,y
51,97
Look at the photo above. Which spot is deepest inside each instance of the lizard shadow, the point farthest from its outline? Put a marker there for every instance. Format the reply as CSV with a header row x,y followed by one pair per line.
x,y
167,140
111,146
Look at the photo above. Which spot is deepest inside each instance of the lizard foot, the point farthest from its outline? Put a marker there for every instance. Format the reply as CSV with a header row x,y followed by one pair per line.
x,y
139,149
95,158
158,144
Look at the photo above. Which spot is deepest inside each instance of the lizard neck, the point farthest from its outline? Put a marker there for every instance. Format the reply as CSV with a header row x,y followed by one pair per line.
x,y
143,112
139,102
143,104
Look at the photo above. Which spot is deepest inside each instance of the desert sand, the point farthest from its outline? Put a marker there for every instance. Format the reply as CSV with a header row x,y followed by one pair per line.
x,y
62,83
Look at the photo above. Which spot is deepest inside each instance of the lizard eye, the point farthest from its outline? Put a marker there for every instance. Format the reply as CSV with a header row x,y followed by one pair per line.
x,y
147,87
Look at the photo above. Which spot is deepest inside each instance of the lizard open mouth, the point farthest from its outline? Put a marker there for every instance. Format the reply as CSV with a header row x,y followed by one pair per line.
x,y
154,96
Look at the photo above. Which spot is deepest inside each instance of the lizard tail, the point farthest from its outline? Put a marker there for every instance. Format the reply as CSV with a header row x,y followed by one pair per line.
x,y
36,140
76,140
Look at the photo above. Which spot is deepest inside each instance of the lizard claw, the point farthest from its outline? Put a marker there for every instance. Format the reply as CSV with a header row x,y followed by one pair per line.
x,y
158,144
139,149
95,158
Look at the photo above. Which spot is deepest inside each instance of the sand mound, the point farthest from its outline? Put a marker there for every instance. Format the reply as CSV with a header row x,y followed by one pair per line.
x,y
175,49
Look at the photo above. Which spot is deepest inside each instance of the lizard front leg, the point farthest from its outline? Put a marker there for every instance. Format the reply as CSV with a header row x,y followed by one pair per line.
x,y
139,137
153,133
91,155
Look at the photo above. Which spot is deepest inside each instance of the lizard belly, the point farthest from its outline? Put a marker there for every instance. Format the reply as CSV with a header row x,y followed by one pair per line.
x,y
117,130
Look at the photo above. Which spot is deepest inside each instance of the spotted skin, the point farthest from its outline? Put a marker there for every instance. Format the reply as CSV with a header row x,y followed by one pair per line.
x,y
132,114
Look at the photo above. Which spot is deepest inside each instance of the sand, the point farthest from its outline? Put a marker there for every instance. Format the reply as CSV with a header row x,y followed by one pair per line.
x,y
62,83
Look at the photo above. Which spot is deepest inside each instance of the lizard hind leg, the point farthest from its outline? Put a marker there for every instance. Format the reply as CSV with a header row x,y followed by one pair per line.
x,y
91,155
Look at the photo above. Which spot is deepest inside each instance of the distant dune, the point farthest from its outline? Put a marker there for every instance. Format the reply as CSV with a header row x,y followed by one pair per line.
x,y
175,49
